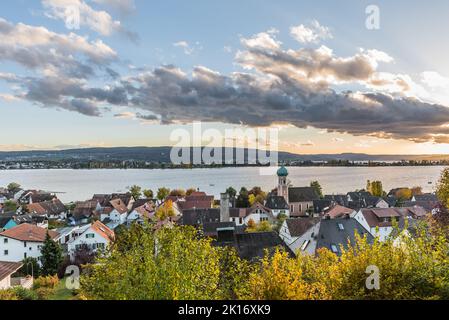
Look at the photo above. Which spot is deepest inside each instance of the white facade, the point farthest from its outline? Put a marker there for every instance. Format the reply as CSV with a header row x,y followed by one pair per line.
x,y
90,238
277,212
12,250
381,232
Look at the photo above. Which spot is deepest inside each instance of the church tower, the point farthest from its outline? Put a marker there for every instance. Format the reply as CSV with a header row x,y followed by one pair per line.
x,y
282,183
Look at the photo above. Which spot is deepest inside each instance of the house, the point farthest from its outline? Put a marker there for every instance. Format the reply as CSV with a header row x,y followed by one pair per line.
x,y
340,232
250,246
117,213
53,209
7,222
7,269
198,200
299,199
298,234
94,237
143,209
379,222
26,197
23,241
84,211
277,205
105,199
339,212
257,213
340,199
320,206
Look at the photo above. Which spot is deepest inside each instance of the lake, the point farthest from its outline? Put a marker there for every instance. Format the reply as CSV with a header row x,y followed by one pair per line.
x,y
75,185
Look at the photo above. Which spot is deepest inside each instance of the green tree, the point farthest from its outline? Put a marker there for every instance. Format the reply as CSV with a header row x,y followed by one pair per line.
x,y
164,264
190,191
165,211
30,267
243,198
319,191
136,191
442,188
10,206
148,193
162,193
178,193
51,257
375,188
13,187
231,192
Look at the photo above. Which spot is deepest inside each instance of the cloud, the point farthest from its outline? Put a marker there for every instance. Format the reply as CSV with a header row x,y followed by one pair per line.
x,y
312,34
187,47
434,79
125,115
39,48
278,86
97,20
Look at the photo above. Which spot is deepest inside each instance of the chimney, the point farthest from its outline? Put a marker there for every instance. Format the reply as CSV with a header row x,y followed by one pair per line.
x,y
224,208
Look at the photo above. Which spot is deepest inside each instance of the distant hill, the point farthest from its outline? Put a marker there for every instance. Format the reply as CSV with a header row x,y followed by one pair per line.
x,y
162,155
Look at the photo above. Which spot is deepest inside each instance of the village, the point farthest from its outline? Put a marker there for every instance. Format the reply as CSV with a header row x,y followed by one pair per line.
x,y
299,220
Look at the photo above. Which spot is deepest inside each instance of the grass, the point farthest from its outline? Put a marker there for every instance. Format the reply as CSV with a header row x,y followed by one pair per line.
x,y
62,293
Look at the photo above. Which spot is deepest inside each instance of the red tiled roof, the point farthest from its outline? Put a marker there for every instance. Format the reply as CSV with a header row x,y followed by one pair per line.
x,y
103,230
339,211
29,232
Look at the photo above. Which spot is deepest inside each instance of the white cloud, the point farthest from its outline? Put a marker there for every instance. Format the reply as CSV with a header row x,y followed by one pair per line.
x,y
99,21
434,80
312,34
124,6
187,47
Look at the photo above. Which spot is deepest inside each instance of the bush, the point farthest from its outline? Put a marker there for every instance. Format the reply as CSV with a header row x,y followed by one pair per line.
x,y
44,293
25,294
46,282
8,295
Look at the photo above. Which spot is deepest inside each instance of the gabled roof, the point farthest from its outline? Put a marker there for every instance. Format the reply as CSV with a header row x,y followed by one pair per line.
x,y
119,205
9,268
196,217
276,203
302,194
297,227
375,216
103,231
336,232
427,205
340,199
252,246
53,207
28,232
338,212
322,204
427,197
84,209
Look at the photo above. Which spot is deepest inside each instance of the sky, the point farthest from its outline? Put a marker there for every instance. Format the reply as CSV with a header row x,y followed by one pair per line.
x,y
103,73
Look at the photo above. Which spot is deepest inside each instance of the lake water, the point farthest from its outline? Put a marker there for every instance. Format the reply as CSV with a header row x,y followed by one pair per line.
x,y
76,185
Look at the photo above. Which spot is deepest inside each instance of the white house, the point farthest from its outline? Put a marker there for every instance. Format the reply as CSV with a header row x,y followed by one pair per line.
x,y
96,236
140,212
257,213
117,213
379,222
23,241
278,206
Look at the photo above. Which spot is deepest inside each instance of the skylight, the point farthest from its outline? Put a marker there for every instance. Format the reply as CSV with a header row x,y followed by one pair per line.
x,y
341,227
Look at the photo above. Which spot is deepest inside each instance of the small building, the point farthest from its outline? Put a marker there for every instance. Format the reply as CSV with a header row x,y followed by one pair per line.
x,y
7,269
277,205
23,241
299,234
94,237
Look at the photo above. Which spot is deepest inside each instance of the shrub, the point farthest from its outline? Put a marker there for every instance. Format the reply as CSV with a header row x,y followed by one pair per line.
x,y
25,294
44,293
8,295
46,282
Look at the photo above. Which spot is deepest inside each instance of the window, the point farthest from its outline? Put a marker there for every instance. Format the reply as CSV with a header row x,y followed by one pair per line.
x,y
341,227
90,236
24,244
6,252
5,240
240,220
304,245
334,248
25,255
